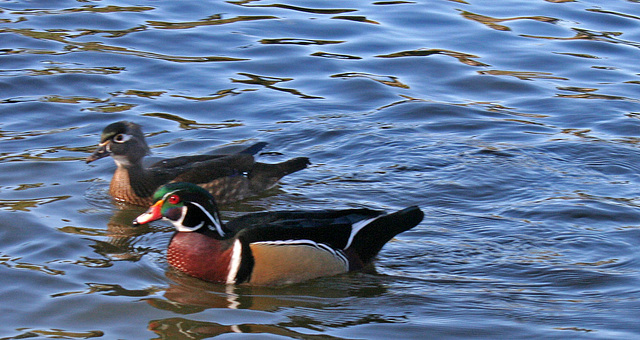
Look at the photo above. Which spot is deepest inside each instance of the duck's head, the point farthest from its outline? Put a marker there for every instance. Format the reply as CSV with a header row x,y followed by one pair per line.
x,y
187,206
124,141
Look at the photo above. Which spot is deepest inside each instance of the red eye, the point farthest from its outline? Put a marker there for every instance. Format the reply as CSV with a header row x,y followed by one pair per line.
x,y
174,199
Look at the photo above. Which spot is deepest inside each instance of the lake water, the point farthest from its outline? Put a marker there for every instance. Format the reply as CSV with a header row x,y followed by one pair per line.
x,y
515,126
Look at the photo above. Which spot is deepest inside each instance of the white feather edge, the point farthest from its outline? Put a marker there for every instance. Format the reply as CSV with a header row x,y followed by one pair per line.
x,y
356,227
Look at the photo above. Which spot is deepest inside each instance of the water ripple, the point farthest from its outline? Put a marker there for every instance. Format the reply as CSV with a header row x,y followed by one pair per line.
x,y
513,125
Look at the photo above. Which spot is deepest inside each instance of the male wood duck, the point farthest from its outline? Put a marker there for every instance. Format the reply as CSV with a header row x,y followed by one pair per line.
x,y
227,177
270,248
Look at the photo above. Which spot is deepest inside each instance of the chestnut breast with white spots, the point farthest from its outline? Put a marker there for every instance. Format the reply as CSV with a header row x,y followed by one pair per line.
x,y
200,256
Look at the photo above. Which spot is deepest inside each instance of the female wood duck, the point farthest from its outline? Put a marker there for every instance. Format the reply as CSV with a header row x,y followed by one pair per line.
x,y
227,177
270,248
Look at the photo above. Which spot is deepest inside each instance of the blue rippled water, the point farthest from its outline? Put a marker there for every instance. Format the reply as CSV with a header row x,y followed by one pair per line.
x,y
515,126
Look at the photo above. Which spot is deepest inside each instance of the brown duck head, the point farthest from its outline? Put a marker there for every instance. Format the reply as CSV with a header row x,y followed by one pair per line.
x,y
124,142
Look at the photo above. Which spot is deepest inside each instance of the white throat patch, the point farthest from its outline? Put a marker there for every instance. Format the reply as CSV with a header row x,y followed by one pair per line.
x,y
121,161
179,223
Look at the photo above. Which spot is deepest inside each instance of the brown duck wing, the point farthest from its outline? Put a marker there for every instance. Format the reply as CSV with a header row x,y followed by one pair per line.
x,y
209,170
186,161
178,162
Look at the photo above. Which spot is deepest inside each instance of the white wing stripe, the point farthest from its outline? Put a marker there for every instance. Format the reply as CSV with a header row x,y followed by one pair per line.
x,y
215,221
356,227
234,264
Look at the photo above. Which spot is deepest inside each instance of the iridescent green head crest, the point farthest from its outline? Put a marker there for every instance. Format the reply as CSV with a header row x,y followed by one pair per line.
x,y
185,190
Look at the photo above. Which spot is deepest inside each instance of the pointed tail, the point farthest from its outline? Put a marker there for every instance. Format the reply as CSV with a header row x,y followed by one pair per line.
x,y
253,149
264,176
377,232
293,165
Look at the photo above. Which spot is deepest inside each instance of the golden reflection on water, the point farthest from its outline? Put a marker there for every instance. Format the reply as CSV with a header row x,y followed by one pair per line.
x,y
385,80
357,18
29,204
523,75
624,15
13,135
71,46
247,3
335,55
464,58
100,47
492,22
269,83
71,100
176,328
584,34
38,155
189,124
108,105
581,34
111,108
209,21
594,96
84,8
292,41
400,2
15,263
579,55
140,93
217,95
111,290
50,71
28,333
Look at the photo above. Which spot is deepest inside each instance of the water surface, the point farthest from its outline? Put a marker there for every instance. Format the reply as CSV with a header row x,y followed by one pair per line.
x,y
514,125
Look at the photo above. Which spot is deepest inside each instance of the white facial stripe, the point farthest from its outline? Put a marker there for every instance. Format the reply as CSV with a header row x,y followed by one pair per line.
x,y
164,198
179,223
215,221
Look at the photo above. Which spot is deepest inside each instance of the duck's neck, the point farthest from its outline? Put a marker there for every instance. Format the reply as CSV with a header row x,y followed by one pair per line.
x,y
130,183
200,255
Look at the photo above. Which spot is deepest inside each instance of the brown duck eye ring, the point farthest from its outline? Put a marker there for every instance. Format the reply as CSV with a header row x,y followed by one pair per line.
x,y
121,138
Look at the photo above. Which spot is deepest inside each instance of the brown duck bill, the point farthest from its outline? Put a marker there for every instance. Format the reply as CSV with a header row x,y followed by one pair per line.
x,y
154,213
101,152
